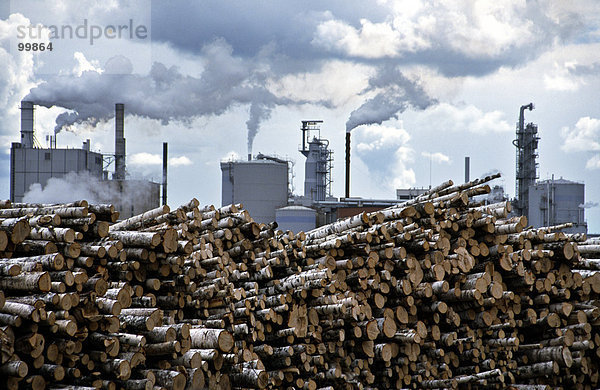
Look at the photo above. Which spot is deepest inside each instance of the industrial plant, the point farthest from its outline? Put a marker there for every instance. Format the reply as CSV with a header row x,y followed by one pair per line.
x,y
549,202
263,185
223,298
30,164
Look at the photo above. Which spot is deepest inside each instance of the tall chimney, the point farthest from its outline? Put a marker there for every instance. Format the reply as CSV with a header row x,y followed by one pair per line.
x,y
119,142
249,156
164,181
467,169
347,164
27,124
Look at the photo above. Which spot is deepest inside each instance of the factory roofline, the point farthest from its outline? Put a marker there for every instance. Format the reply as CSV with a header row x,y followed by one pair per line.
x,y
249,162
558,181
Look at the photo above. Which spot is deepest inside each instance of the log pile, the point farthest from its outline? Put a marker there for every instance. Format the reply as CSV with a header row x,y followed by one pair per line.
x,y
439,292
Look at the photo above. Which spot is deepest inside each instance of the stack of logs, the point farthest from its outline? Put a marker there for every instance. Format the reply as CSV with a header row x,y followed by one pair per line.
x,y
438,292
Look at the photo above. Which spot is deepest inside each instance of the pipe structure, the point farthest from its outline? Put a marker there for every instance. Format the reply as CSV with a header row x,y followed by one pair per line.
x,y
347,164
164,180
522,114
526,143
119,142
467,169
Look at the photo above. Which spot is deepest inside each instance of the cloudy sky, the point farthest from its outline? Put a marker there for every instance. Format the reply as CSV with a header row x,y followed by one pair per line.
x,y
421,85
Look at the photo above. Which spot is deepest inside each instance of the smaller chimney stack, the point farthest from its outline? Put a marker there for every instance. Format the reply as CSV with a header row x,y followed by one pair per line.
x,y
467,169
164,180
27,124
347,164
249,156
119,142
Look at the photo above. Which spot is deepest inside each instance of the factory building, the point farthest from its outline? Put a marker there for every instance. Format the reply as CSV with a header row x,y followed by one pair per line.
x,y
31,164
296,218
554,202
548,202
405,194
261,185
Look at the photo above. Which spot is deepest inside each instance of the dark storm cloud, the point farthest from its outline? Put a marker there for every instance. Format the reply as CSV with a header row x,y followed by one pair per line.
x,y
249,26
288,29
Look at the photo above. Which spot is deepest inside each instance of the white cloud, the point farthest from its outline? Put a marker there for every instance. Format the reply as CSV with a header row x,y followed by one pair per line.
x,y
336,81
231,156
16,76
466,118
180,161
485,28
585,136
84,65
561,79
372,40
437,157
141,159
144,159
593,163
386,154
374,137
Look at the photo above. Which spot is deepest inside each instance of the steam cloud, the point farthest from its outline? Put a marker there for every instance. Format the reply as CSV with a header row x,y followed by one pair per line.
x,y
165,94
84,186
589,205
396,95
258,113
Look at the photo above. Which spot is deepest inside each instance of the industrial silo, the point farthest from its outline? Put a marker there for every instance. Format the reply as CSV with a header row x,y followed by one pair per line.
x,y
261,185
554,202
295,218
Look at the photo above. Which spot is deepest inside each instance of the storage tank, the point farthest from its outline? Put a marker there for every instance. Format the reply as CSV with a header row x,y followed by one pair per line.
x,y
295,218
554,202
260,185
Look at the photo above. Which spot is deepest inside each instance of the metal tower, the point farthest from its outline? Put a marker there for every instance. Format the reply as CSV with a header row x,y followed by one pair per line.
x,y
526,173
319,162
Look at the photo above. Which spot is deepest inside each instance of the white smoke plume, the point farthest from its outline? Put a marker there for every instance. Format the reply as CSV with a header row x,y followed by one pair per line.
x,y
437,157
259,112
589,205
82,186
396,94
490,173
165,94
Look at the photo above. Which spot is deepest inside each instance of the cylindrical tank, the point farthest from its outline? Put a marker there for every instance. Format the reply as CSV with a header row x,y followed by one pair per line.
x,y
260,185
295,218
557,201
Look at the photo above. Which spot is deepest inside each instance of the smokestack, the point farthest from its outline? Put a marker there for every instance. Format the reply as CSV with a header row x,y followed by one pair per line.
x,y
119,142
467,169
249,156
347,164
164,181
27,124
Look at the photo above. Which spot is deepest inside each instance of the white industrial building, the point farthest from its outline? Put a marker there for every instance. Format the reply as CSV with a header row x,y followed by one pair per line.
x,y
31,164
